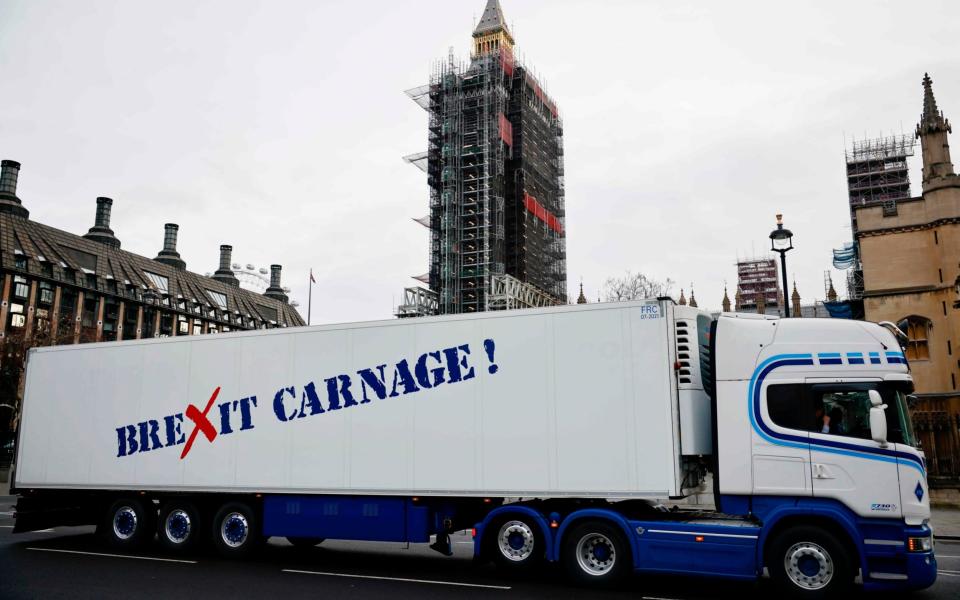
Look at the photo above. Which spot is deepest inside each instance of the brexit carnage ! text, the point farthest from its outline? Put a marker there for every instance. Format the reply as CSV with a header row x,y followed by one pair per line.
x,y
364,387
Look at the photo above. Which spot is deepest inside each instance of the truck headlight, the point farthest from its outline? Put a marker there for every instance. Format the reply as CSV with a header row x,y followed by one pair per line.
x,y
919,544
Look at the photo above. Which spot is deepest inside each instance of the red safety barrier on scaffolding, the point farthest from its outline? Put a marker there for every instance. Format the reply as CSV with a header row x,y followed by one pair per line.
x,y
539,211
541,96
506,61
506,130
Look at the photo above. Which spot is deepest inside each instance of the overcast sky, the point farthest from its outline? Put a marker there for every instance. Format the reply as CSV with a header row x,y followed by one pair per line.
x,y
279,127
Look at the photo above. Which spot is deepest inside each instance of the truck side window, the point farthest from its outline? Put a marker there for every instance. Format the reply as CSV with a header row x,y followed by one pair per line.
x,y
788,406
844,412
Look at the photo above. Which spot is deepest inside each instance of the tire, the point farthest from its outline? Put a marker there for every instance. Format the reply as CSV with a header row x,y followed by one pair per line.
x,y
235,530
596,554
809,562
516,543
179,525
304,542
128,523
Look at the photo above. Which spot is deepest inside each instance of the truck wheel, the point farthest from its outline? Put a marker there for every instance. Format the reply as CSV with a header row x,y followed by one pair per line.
x,y
178,525
129,523
236,530
304,542
595,553
518,544
808,562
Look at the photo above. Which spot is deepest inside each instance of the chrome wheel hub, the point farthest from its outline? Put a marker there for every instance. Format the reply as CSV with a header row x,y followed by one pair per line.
x,y
124,523
178,526
808,565
234,530
596,554
515,541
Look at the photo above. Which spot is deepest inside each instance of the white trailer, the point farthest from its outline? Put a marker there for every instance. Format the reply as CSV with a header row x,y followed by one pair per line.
x,y
546,430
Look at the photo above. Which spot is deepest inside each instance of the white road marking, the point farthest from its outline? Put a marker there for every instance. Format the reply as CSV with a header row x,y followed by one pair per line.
x,y
175,560
946,556
948,574
455,583
471,543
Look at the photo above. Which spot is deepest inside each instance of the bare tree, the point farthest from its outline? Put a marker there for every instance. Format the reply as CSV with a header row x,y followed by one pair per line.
x,y
635,286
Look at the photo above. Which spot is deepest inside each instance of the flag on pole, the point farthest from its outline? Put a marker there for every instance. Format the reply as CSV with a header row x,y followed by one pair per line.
x,y
312,280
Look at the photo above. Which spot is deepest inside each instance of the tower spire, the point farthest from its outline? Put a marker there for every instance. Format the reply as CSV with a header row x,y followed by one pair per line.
x,y
795,300
726,300
932,119
491,33
932,131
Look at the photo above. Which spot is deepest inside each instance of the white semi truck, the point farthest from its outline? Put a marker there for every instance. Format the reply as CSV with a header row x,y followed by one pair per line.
x,y
549,432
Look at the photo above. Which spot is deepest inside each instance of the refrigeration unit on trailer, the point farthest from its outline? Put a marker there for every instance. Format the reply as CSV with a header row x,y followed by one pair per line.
x,y
549,432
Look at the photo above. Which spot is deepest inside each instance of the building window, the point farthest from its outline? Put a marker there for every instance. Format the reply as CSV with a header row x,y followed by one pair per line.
x,y
166,325
184,326
916,329
90,307
20,262
68,305
146,325
220,299
16,315
42,321
21,289
91,281
159,281
46,293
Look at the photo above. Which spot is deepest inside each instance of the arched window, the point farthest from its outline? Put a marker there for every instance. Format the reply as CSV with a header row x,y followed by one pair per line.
x,y
917,329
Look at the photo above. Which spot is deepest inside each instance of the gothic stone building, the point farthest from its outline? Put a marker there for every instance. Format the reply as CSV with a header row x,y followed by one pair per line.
x,y
911,270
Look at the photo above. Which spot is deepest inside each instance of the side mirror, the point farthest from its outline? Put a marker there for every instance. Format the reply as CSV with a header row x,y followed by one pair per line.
x,y
878,419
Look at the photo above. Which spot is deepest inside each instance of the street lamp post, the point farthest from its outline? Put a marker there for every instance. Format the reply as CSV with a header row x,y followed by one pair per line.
x,y
781,240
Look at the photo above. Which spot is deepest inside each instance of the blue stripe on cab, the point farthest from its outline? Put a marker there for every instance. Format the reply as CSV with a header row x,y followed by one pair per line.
x,y
817,445
830,358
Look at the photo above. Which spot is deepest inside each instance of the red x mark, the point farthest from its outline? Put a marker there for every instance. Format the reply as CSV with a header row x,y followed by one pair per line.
x,y
202,423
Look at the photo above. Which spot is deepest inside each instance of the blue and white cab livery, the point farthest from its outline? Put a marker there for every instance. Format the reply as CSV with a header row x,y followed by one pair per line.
x,y
824,402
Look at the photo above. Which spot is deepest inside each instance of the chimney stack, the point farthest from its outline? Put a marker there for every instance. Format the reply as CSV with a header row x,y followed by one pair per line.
x,y
275,291
169,254
9,203
101,232
225,273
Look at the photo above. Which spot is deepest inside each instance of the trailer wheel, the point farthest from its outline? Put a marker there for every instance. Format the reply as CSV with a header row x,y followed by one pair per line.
x,y
304,542
517,543
809,562
595,553
236,530
128,523
179,525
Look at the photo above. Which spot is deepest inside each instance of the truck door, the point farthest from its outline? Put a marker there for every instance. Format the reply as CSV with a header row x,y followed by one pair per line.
x,y
781,450
846,464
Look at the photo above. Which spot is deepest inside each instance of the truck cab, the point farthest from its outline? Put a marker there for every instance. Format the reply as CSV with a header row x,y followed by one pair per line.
x,y
812,423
